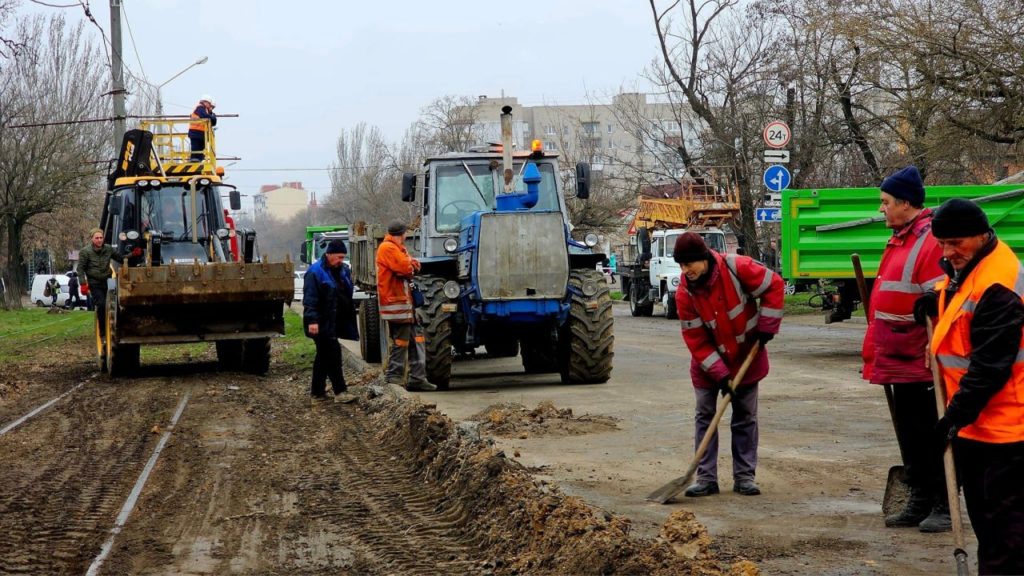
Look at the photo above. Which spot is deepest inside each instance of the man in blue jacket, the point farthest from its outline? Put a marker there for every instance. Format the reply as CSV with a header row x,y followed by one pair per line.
x,y
327,315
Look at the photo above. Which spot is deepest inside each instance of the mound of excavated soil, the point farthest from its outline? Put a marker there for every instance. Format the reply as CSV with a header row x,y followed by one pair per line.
x,y
515,420
529,527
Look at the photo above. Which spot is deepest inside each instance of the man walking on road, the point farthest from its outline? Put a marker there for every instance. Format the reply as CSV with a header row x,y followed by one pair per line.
x,y
94,267
894,346
328,314
721,320
978,341
395,269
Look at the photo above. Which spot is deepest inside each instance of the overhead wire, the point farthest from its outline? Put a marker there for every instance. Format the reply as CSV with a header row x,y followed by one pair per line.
x,y
131,36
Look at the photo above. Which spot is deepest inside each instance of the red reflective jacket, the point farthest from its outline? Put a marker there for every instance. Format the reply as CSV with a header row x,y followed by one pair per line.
x,y
894,345
719,318
394,271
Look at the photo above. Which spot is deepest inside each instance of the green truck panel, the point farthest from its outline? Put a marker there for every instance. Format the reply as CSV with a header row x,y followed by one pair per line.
x,y
822,227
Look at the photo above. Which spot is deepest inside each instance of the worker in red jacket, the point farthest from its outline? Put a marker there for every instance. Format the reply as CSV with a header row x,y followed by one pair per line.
x,y
895,346
721,319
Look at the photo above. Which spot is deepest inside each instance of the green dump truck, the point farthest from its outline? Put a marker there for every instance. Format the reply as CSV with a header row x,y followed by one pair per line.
x,y
822,227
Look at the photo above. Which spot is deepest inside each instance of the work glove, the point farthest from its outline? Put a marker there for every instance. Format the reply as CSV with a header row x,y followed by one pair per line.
x,y
763,337
723,387
926,306
944,433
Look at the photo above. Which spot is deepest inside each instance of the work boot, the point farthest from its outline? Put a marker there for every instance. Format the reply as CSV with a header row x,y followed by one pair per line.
x,y
344,397
916,510
746,488
316,400
421,387
938,520
701,488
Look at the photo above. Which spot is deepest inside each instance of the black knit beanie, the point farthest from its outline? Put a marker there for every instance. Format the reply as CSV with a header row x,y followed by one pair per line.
x,y
905,185
959,218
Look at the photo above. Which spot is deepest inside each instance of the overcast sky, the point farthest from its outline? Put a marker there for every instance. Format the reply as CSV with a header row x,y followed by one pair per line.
x,y
298,73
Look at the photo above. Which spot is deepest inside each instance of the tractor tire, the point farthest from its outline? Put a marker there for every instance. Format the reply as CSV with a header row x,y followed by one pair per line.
x,y
670,307
229,355
540,353
370,334
437,330
634,297
502,347
586,340
256,356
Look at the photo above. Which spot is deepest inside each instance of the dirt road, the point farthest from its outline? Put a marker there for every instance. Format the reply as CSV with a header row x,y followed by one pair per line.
x,y
826,445
252,480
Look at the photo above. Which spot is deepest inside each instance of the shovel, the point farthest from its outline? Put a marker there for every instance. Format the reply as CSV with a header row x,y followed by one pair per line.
x,y
673,488
897,490
952,489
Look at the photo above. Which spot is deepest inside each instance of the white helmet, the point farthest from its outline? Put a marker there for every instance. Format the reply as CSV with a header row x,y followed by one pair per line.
x,y
207,98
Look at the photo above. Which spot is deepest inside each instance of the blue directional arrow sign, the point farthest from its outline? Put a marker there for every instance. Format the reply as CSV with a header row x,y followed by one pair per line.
x,y
768,215
776,178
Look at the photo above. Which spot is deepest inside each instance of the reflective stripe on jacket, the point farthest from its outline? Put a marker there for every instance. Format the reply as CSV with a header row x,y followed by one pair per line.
x,y
719,317
1002,419
894,345
394,271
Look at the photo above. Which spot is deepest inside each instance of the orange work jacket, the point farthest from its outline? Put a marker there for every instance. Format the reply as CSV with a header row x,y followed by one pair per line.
x,y
394,272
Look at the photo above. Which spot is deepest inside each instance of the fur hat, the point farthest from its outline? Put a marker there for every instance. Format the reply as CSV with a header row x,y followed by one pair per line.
x,y
690,247
959,218
397,228
905,185
336,247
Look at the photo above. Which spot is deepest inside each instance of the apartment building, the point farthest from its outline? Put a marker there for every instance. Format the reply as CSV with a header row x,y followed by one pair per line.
x,y
281,202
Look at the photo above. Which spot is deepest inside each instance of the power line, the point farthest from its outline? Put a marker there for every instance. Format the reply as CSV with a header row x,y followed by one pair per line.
x,y
54,5
131,35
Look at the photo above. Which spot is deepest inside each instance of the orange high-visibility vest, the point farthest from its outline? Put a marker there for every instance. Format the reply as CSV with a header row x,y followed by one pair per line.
x,y
1002,419
394,270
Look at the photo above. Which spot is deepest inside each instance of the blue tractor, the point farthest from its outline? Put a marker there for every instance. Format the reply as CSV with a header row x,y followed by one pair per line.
x,y
500,267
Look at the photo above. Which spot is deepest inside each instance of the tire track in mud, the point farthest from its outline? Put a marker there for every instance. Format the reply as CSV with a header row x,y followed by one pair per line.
x,y
66,473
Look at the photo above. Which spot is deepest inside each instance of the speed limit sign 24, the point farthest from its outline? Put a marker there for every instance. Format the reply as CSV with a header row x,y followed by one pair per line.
x,y
777,134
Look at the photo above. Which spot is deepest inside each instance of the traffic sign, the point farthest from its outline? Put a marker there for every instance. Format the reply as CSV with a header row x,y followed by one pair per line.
x,y
768,215
776,156
777,134
776,178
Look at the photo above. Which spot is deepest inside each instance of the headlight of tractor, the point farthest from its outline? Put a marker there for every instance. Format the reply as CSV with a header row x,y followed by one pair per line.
x,y
590,240
223,233
450,245
451,288
589,288
674,281
132,234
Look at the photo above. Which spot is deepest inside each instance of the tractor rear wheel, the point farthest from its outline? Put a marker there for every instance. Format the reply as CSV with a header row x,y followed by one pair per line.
x,y
586,339
437,330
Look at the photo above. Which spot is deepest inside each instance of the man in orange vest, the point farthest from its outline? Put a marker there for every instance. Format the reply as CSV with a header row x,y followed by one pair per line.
x,y
894,346
197,129
721,320
979,346
395,269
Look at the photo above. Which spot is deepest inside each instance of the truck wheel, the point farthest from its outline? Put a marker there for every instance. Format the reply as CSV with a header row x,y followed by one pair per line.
x,y
229,355
586,339
636,295
437,329
502,347
539,353
256,356
370,334
670,307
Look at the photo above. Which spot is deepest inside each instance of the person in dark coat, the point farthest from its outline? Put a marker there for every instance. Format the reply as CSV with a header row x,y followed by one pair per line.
x,y
328,314
74,300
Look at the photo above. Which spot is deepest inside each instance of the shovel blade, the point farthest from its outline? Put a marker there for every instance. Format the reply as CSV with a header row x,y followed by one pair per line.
x,y
669,491
897,491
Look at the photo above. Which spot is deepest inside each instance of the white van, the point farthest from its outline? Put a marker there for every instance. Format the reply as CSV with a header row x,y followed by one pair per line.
x,y
39,289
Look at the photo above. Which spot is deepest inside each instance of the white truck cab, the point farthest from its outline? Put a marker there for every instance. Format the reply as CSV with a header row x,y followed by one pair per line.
x,y
665,272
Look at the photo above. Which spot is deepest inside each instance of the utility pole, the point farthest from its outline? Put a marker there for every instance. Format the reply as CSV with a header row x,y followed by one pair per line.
x,y
117,73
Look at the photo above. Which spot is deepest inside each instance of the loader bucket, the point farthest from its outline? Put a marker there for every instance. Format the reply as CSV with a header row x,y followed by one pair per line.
x,y
202,301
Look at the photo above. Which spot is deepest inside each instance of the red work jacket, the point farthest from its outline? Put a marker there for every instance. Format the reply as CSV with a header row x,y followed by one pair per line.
x,y
894,345
720,317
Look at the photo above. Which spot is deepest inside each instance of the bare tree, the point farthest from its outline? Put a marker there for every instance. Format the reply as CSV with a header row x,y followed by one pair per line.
x,y
365,179
450,124
48,168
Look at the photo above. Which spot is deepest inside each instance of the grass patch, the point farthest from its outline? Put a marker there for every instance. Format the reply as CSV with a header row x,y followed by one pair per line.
x,y
297,351
21,330
615,295
174,353
797,304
